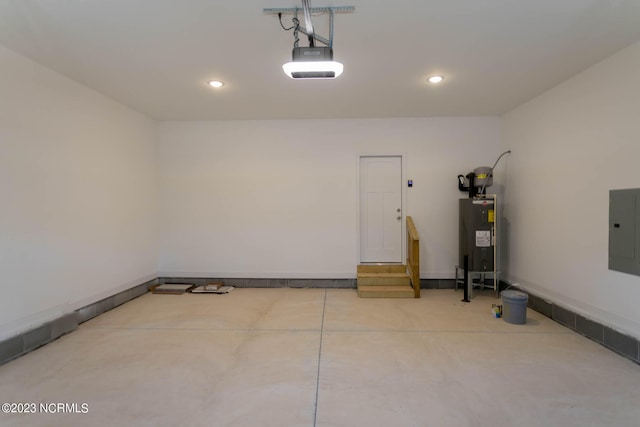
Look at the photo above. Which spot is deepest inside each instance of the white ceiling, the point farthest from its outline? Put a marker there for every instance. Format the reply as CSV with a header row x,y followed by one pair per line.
x,y
156,56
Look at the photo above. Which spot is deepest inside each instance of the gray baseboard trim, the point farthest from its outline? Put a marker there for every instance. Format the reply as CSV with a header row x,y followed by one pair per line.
x,y
451,284
437,283
37,337
615,341
266,283
297,283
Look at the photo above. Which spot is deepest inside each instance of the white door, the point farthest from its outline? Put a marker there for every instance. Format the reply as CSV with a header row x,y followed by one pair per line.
x,y
381,209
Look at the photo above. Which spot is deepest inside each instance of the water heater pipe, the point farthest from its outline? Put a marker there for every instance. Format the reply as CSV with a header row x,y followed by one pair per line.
x,y
491,172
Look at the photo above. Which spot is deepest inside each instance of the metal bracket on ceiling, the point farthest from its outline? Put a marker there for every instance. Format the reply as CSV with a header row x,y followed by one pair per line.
x,y
332,10
295,10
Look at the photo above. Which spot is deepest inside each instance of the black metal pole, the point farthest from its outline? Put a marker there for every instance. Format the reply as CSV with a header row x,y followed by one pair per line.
x,y
466,279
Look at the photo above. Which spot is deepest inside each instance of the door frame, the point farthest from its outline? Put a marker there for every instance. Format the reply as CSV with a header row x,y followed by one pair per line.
x,y
403,201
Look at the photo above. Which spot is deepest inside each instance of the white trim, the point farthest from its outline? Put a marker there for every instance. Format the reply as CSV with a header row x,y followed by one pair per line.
x,y
75,305
608,319
24,324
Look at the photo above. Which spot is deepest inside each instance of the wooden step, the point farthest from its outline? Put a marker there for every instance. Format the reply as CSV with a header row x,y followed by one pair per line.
x,y
382,268
385,291
383,279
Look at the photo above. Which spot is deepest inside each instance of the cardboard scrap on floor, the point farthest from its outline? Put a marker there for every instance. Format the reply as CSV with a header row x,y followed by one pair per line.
x,y
212,288
181,288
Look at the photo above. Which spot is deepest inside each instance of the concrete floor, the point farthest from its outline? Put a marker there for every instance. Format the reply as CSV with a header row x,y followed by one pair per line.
x,y
315,357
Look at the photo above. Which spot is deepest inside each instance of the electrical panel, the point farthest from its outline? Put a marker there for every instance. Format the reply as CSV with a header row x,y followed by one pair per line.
x,y
624,231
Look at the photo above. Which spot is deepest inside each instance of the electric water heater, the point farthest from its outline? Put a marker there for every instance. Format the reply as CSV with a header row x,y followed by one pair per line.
x,y
477,233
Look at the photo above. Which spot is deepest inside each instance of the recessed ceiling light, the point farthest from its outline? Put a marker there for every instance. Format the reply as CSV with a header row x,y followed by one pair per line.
x,y
435,79
216,83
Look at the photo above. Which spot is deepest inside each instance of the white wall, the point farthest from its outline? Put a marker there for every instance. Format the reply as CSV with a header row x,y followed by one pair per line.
x,y
570,147
279,198
78,187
